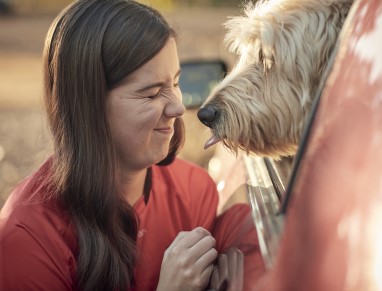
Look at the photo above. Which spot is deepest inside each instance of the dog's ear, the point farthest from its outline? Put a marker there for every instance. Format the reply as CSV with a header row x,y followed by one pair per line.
x,y
248,35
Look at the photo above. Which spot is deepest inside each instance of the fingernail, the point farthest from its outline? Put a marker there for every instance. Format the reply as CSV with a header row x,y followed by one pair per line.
x,y
202,230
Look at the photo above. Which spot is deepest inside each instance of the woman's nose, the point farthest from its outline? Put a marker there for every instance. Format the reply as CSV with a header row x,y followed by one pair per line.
x,y
175,107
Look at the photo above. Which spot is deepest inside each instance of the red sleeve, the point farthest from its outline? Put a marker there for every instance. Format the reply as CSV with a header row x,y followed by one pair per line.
x,y
235,228
25,264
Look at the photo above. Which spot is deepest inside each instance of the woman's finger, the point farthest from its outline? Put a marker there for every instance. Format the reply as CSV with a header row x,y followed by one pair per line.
x,y
192,237
202,246
220,272
215,278
235,269
186,239
232,259
223,267
206,275
206,259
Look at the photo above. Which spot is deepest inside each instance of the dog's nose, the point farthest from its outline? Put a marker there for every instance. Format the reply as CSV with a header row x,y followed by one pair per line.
x,y
207,115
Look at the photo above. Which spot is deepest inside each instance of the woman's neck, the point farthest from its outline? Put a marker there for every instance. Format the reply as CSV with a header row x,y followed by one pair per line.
x,y
132,185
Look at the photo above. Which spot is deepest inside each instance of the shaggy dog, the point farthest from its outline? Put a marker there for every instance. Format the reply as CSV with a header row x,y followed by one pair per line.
x,y
283,48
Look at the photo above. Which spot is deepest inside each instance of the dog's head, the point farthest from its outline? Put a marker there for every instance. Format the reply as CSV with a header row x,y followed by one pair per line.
x,y
283,48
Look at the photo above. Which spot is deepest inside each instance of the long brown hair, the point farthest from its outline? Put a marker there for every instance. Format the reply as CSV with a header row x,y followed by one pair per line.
x,y
90,48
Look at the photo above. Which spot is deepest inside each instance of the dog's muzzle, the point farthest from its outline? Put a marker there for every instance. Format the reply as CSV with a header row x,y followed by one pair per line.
x,y
207,115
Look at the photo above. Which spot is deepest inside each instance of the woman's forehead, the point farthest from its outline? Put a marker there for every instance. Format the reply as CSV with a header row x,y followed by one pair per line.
x,y
162,67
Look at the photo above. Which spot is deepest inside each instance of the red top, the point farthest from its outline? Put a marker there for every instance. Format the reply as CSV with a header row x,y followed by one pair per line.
x,y
38,244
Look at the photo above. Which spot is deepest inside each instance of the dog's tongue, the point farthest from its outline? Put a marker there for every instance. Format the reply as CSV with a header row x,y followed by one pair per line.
x,y
211,141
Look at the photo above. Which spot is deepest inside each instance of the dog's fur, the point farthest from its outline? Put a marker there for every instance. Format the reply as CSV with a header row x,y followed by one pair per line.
x,y
283,48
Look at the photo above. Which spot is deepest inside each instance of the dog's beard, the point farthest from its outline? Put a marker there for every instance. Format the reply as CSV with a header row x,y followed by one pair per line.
x,y
251,121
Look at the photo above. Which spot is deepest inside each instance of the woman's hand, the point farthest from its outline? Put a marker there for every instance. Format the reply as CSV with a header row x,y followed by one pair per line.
x,y
228,274
188,262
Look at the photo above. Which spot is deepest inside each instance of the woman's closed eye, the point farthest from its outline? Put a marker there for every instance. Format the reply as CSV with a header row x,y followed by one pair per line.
x,y
154,96
162,92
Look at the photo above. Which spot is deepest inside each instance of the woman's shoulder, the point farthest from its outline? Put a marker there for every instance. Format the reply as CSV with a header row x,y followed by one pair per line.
x,y
37,242
30,210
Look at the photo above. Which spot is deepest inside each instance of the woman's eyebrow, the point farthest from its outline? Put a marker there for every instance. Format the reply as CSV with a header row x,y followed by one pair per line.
x,y
157,84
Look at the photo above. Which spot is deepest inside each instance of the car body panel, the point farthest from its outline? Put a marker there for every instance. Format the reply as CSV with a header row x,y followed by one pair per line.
x,y
332,237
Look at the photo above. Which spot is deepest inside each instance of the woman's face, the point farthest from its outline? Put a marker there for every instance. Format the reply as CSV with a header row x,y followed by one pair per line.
x,y
142,110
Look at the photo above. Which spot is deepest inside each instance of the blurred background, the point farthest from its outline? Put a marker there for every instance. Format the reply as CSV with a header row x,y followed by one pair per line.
x,y
24,137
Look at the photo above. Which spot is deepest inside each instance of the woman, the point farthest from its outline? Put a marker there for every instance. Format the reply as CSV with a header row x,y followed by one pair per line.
x,y
113,209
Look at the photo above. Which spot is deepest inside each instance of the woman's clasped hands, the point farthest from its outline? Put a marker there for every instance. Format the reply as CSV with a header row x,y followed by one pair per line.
x,y
191,262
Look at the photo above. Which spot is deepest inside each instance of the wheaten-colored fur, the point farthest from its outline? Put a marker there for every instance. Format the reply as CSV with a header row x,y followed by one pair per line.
x,y
283,47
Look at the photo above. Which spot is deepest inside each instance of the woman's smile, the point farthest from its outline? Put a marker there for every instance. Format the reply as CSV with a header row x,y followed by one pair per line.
x,y
165,130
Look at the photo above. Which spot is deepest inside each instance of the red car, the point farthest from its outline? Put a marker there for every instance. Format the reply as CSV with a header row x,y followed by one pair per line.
x,y
323,229
332,210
